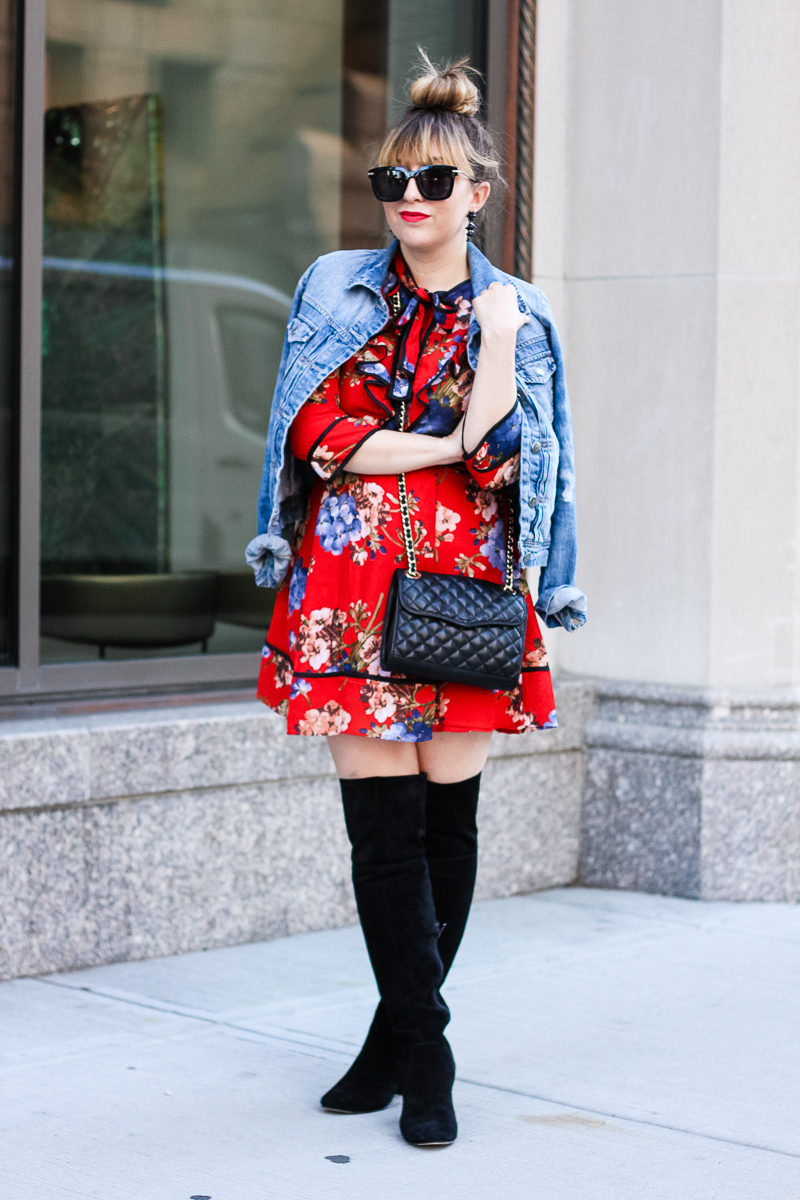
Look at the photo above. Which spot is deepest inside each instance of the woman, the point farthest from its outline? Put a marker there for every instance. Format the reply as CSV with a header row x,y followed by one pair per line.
x,y
476,357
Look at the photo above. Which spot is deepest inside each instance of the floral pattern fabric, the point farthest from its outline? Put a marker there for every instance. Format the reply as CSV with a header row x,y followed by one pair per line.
x,y
321,658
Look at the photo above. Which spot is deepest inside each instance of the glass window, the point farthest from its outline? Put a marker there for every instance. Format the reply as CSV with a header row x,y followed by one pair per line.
x,y
8,291
197,158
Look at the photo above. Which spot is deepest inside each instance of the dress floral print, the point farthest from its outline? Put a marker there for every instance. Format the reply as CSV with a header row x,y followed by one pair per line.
x,y
320,664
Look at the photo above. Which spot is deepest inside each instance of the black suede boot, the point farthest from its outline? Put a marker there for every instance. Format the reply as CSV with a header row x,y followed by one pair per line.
x,y
385,819
373,1079
451,847
451,850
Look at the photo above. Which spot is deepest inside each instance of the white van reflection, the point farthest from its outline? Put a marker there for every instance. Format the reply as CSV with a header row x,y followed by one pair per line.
x,y
225,335
224,338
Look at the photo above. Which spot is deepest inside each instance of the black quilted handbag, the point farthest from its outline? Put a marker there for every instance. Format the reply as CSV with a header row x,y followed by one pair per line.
x,y
452,627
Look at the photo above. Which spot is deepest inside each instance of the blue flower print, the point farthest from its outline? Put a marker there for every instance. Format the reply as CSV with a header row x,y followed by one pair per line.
x,y
495,548
337,524
440,419
299,687
399,731
504,439
297,588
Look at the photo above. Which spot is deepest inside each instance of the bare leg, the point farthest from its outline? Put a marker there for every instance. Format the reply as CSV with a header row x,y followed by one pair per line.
x,y
446,758
362,757
449,757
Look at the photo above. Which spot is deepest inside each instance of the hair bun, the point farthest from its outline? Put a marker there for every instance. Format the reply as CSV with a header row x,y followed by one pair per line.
x,y
448,87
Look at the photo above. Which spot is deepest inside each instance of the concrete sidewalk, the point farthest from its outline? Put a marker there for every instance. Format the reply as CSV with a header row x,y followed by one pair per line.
x,y
610,1046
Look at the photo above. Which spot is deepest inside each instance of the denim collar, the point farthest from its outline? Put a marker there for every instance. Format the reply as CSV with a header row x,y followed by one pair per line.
x,y
373,271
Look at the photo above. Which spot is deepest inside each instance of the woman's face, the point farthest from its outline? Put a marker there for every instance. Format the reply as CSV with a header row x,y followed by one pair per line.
x,y
430,225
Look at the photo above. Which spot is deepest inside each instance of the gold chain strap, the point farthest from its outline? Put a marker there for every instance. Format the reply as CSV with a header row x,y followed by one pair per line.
x,y
411,553
412,572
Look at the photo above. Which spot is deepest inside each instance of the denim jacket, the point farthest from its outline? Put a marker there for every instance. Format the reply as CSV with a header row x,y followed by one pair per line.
x,y
337,308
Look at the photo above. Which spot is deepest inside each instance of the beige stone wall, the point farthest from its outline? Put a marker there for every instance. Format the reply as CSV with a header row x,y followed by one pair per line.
x,y
667,188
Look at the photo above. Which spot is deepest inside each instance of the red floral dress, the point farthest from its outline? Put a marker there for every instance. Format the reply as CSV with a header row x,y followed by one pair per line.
x,y
320,664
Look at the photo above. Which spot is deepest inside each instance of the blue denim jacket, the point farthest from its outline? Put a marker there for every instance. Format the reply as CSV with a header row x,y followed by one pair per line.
x,y
336,309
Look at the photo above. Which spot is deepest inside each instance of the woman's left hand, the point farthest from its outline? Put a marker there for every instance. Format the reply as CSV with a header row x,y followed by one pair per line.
x,y
497,312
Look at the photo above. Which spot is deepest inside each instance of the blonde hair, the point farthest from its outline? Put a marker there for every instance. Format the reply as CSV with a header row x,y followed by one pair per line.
x,y
441,124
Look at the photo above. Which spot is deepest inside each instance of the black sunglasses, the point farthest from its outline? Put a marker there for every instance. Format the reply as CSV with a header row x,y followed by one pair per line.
x,y
435,182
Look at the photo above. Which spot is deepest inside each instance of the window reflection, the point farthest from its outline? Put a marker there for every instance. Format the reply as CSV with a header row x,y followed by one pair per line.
x,y
196,160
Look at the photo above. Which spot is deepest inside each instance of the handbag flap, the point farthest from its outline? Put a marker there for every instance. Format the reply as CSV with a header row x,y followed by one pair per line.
x,y
459,600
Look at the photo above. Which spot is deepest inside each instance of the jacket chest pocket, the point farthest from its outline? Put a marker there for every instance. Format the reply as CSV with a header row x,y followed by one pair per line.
x,y
535,378
299,334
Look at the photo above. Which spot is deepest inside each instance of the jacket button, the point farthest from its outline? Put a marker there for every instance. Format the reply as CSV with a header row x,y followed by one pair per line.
x,y
532,502
536,447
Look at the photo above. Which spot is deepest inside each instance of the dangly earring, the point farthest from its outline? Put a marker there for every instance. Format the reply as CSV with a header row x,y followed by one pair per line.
x,y
471,224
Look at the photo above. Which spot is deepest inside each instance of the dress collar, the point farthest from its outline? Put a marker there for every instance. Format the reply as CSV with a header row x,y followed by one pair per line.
x,y
412,297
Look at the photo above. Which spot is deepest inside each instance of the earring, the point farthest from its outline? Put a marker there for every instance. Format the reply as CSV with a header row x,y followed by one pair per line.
x,y
471,224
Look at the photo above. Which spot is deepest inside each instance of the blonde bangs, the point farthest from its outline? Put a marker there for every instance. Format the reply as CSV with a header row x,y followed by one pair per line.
x,y
424,145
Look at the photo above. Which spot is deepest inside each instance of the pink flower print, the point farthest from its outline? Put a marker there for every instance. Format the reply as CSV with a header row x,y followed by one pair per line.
x,y
480,456
320,636
463,310
370,654
372,508
506,473
283,671
324,461
331,718
485,504
446,521
537,657
381,701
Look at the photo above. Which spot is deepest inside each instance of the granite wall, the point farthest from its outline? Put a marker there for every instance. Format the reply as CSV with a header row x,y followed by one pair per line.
x,y
133,834
692,792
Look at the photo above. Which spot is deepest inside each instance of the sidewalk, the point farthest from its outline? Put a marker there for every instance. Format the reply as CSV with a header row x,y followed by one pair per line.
x,y
610,1046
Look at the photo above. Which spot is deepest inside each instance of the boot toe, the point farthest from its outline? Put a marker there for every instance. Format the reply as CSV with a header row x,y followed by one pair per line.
x,y
364,1099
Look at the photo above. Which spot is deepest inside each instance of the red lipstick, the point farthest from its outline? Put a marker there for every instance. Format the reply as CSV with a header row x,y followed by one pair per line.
x,y
408,215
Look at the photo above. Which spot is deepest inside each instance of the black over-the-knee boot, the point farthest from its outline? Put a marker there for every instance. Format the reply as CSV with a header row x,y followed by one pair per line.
x,y
385,819
451,845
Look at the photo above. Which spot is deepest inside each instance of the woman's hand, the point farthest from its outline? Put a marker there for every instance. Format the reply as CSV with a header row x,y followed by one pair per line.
x,y
497,312
494,389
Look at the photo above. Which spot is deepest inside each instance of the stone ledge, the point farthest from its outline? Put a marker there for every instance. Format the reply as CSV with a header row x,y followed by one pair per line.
x,y
130,835
75,760
692,792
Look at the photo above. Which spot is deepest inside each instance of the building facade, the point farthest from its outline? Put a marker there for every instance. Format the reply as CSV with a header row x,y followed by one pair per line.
x,y
167,170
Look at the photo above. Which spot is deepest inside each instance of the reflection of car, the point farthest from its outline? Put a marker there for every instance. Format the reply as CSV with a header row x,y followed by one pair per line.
x,y
223,343
225,338
200,407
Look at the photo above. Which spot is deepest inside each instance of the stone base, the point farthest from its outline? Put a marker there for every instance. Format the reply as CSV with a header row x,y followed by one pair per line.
x,y
125,836
692,792
129,835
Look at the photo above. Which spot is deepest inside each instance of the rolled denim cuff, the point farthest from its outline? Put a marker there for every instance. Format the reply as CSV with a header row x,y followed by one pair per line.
x,y
564,606
269,557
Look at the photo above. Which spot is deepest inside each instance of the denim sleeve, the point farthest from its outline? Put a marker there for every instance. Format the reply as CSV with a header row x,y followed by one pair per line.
x,y
560,602
494,462
268,553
